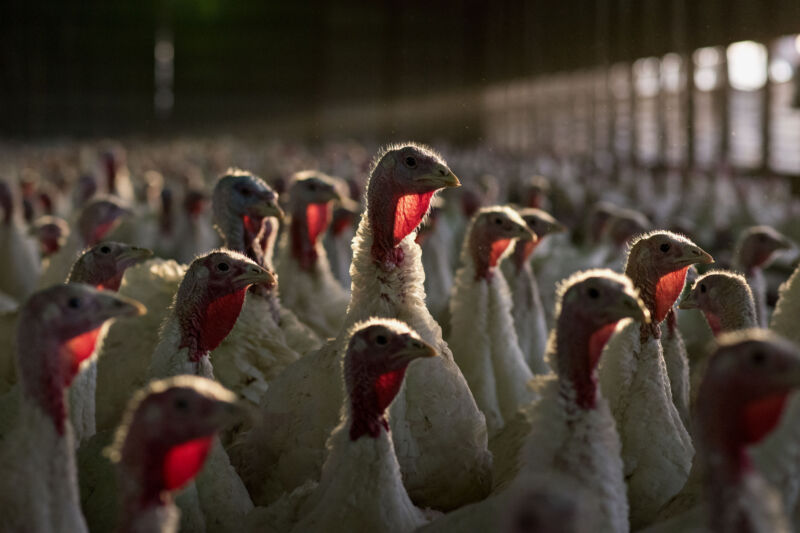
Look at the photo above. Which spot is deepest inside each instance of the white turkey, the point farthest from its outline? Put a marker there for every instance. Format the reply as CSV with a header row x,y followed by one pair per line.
x,y
484,343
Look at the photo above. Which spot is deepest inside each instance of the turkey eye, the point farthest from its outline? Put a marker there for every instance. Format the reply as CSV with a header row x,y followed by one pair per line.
x,y
411,162
664,247
312,186
702,287
105,250
181,404
223,267
532,222
593,293
73,303
381,339
246,193
758,358
498,221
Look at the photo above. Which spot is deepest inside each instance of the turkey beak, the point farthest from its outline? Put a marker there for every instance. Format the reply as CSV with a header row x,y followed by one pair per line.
x,y
694,255
113,305
228,411
557,227
689,302
135,255
414,348
268,208
631,306
440,178
256,275
526,234
330,193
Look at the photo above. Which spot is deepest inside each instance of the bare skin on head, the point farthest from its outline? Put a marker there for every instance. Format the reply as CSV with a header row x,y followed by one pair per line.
x,y
589,306
757,247
311,195
542,224
491,233
98,218
657,263
740,401
400,189
163,441
60,324
725,299
211,296
104,264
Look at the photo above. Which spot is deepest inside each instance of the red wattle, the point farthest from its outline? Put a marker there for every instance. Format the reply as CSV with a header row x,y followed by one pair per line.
x,y
668,289
713,322
598,340
252,225
318,217
411,209
762,416
184,461
220,317
387,386
498,247
80,348
100,231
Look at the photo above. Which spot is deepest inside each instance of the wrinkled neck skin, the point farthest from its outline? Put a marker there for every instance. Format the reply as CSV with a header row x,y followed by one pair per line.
x,y
43,379
522,253
255,238
141,479
8,210
204,323
575,362
724,441
658,291
383,199
485,253
370,396
308,223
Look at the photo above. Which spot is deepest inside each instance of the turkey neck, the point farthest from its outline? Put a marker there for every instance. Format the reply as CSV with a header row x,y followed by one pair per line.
x,y
389,223
739,314
308,222
522,253
44,379
141,480
485,252
370,395
577,354
658,291
204,320
255,238
729,425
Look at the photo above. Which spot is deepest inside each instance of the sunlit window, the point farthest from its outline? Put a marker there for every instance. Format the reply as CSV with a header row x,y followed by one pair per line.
x,y
706,73
671,73
646,72
747,65
780,71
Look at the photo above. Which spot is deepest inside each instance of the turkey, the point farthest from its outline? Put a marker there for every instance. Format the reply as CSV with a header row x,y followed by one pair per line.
x,y
96,220
101,266
246,216
51,233
569,432
267,337
39,487
528,311
748,372
206,307
754,251
308,286
21,267
484,344
438,432
726,301
633,376
162,444
361,488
